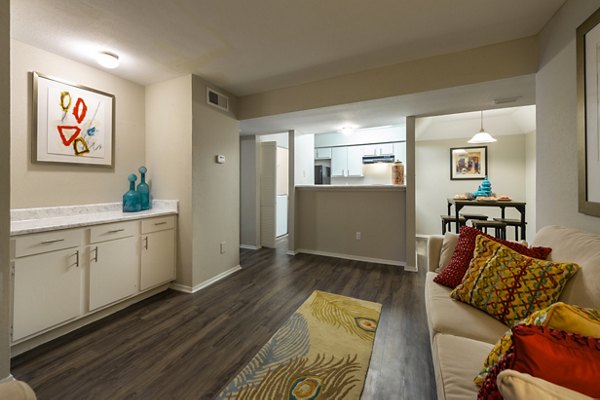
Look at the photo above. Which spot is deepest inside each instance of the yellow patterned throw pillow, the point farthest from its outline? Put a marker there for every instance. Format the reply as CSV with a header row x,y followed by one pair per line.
x,y
561,316
510,286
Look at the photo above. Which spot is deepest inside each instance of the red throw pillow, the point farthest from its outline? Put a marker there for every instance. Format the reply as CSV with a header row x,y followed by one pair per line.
x,y
566,359
452,275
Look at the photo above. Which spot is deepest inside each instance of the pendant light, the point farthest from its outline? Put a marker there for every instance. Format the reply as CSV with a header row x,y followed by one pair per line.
x,y
482,136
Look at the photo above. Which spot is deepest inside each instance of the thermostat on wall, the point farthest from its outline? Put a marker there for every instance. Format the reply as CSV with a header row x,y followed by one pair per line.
x,y
220,159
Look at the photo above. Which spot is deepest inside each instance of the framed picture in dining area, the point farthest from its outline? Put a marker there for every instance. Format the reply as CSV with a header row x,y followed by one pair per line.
x,y
468,163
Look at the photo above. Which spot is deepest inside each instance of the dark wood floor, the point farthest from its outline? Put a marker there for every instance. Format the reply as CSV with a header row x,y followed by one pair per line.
x,y
182,346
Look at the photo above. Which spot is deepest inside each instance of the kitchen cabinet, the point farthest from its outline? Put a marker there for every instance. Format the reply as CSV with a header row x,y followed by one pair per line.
x,y
400,152
346,161
158,252
47,281
323,153
379,149
63,276
114,263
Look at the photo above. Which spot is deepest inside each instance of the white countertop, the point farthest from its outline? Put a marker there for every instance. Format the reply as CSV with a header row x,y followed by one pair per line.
x,y
374,188
33,220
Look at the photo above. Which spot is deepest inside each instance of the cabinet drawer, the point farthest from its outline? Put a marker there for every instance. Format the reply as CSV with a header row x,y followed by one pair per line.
x,y
47,241
117,230
158,224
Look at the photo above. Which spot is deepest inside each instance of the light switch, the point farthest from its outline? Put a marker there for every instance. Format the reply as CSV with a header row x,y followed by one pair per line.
x,y
220,159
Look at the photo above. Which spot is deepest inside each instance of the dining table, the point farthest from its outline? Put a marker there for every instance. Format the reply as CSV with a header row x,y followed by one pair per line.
x,y
459,204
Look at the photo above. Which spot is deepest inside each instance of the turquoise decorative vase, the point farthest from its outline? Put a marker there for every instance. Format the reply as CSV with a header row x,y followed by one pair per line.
x,y
485,189
144,190
132,199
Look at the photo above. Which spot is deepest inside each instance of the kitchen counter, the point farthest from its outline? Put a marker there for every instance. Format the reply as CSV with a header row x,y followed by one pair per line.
x,y
33,220
367,188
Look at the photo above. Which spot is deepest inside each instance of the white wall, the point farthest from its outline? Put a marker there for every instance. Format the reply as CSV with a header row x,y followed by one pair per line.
x,y
43,185
249,194
169,157
530,183
304,171
556,97
215,187
506,171
5,139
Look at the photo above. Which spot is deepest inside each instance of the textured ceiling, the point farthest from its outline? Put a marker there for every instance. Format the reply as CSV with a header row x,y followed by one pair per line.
x,y
253,46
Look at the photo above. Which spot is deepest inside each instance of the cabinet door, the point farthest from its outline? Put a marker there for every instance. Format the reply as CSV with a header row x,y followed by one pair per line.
x,y
339,161
114,267
355,164
47,291
386,149
323,153
369,150
158,258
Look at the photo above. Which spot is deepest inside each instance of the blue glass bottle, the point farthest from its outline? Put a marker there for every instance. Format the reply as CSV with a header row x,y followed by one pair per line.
x,y
143,189
132,199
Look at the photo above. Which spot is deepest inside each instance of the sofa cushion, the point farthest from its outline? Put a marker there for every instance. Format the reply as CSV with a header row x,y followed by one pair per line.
x,y
563,358
448,246
453,273
583,248
514,385
565,317
508,285
445,315
454,360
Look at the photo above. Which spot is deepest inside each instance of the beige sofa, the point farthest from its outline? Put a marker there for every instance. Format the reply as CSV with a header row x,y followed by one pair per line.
x,y
462,336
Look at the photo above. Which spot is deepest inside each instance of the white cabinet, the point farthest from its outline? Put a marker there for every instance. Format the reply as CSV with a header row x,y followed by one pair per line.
x,y
158,252
62,276
379,149
114,263
347,161
323,153
48,286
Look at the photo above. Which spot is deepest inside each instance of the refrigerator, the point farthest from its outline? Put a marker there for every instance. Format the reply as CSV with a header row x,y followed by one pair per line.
x,y
322,175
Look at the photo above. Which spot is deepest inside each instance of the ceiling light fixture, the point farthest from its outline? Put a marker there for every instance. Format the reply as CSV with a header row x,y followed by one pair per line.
x,y
108,60
482,136
348,129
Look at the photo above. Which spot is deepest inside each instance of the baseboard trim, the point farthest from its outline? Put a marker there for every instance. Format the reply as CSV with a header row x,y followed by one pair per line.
x,y
189,289
291,253
411,269
9,378
353,257
249,247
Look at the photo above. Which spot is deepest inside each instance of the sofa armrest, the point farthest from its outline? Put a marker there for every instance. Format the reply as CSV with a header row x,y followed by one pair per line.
x,y
434,249
16,390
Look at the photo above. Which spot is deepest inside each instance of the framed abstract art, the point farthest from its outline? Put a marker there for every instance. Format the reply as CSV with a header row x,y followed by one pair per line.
x,y
72,124
468,163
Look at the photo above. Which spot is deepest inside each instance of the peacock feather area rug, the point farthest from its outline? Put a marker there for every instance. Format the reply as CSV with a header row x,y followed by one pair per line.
x,y
321,352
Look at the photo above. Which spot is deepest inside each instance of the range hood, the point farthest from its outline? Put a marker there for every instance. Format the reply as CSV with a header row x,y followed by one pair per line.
x,y
378,159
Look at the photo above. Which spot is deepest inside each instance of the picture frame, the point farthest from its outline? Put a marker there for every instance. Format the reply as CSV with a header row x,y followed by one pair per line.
x,y
588,114
468,163
72,124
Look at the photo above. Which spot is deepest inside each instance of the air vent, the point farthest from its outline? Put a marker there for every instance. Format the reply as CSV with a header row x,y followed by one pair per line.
x,y
217,99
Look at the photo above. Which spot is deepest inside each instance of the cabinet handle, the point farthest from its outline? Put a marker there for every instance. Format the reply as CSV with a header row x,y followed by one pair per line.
x,y
116,230
160,223
77,259
146,242
95,254
53,241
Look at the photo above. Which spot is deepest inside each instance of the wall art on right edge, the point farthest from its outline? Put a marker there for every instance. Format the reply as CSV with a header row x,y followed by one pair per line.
x,y
588,114
468,163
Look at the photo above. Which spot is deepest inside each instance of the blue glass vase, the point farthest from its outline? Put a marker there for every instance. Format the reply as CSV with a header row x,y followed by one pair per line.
x,y
132,199
144,190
